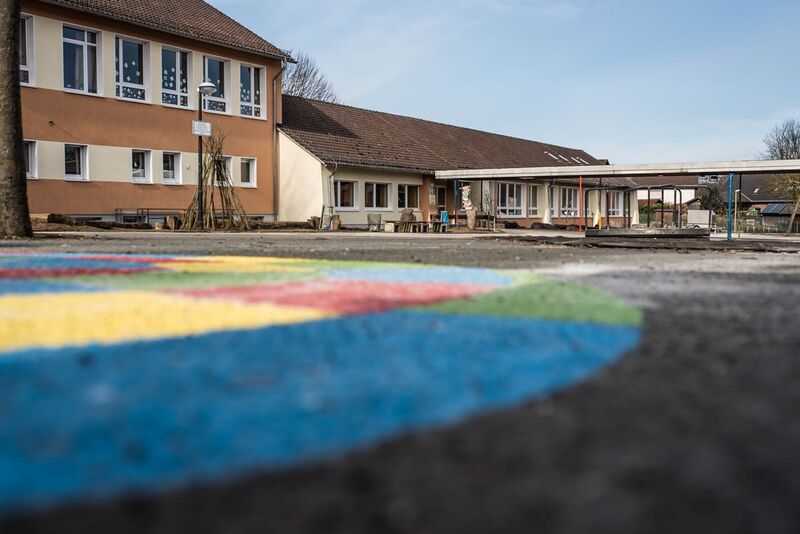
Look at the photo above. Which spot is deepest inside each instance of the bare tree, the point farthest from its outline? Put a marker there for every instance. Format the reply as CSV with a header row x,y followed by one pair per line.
x,y
14,217
783,142
305,79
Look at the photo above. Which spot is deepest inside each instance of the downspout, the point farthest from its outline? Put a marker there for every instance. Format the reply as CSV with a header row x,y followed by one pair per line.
x,y
275,181
331,192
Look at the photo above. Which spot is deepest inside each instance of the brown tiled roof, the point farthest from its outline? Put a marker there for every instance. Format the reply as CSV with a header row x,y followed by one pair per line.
x,y
356,137
188,18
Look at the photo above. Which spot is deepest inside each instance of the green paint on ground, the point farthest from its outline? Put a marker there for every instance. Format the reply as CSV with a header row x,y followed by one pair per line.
x,y
188,280
547,299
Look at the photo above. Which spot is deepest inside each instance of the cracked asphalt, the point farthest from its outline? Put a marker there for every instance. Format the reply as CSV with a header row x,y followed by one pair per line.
x,y
695,430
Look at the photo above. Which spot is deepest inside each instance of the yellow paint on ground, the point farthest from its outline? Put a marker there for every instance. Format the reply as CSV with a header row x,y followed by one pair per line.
x,y
74,319
237,264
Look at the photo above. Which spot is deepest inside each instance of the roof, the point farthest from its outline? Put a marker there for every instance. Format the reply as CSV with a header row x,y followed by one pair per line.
x,y
756,189
355,137
687,182
630,171
195,19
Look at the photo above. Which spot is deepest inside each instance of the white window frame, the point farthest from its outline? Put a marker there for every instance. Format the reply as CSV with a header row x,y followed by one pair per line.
x,y
177,168
29,56
533,200
566,209
229,166
148,167
406,188
226,70
253,167
84,161
177,92
121,84
31,149
337,187
98,59
505,210
389,201
615,201
262,96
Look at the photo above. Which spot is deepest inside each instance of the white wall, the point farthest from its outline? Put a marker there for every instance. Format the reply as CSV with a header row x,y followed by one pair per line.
x,y
112,164
47,68
358,215
669,197
301,182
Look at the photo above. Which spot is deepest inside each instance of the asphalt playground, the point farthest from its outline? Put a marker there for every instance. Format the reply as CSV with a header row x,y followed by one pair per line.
x,y
376,383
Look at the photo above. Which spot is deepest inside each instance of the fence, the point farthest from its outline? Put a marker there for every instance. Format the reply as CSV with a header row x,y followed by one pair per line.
x,y
758,225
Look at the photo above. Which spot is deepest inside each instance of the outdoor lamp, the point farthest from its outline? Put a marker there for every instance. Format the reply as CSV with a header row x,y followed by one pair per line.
x,y
204,89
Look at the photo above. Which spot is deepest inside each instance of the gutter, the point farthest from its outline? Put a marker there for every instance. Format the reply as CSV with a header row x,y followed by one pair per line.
x,y
331,192
275,181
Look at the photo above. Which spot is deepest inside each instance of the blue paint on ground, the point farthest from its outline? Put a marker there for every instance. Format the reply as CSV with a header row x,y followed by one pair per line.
x,y
450,275
94,422
65,262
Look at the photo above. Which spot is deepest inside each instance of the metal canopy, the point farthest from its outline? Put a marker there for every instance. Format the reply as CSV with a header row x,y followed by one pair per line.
x,y
627,170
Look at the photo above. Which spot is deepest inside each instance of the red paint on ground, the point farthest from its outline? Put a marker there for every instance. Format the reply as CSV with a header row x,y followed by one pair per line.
x,y
68,271
343,296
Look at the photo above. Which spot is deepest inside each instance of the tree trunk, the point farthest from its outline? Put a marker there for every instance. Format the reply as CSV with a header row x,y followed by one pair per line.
x,y
794,215
14,217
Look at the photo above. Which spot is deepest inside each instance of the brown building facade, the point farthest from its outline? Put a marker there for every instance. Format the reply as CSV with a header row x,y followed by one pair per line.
x,y
109,92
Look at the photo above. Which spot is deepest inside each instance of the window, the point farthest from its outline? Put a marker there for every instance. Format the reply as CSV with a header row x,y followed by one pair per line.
x,y
80,60
140,166
615,204
250,91
130,68
441,198
223,170
569,201
25,49
553,201
171,168
377,195
248,172
345,193
174,78
407,196
75,162
533,201
509,200
29,151
214,72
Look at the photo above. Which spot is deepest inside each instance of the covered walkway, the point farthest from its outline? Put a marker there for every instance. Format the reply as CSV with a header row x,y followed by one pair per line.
x,y
620,176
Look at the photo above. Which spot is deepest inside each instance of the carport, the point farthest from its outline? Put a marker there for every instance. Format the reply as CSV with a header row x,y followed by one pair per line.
x,y
620,172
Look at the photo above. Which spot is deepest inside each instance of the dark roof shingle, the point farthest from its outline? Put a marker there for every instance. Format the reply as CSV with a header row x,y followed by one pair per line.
x,y
371,139
195,19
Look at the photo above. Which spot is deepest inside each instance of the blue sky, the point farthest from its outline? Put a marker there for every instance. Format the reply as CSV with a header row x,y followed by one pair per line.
x,y
629,80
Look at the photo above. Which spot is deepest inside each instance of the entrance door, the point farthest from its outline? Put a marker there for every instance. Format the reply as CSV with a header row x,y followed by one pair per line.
x,y
441,199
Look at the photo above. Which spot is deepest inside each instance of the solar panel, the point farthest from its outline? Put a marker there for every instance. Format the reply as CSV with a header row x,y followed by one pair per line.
x,y
772,209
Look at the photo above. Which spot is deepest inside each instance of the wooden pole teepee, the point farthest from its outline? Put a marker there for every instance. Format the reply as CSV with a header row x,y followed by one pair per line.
x,y
222,209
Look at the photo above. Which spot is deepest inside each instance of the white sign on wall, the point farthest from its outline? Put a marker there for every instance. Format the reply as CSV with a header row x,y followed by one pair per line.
x,y
201,128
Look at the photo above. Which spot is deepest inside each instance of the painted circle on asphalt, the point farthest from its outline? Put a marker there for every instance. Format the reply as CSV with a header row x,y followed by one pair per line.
x,y
122,373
